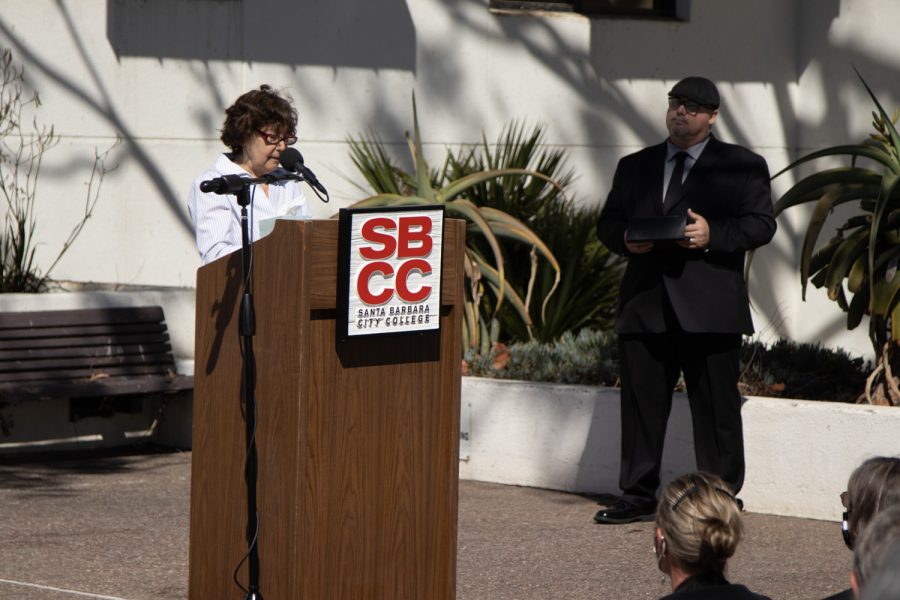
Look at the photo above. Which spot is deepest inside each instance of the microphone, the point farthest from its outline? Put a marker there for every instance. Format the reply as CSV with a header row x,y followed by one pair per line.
x,y
292,160
226,184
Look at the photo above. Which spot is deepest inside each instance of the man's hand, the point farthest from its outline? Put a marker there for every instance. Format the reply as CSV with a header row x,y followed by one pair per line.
x,y
696,233
637,247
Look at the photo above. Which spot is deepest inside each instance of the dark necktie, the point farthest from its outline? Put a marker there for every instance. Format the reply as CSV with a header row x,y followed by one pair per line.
x,y
673,192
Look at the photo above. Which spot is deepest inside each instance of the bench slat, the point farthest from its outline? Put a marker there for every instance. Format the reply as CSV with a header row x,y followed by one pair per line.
x,y
83,351
88,362
79,331
87,342
80,316
87,374
86,389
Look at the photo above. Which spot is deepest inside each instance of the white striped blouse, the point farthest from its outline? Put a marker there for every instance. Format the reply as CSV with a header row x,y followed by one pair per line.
x,y
217,218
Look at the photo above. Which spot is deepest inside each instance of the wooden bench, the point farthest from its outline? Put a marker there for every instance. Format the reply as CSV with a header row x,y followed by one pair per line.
x,y
82,353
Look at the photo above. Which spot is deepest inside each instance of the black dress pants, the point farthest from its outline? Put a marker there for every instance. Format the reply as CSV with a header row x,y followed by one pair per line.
x,y
650,365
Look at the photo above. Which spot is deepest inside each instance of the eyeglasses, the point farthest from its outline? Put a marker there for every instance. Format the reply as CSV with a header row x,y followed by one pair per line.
x,y
273,138
689,105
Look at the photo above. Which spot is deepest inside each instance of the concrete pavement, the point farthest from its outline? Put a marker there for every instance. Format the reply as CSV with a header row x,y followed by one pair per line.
x,y
115,526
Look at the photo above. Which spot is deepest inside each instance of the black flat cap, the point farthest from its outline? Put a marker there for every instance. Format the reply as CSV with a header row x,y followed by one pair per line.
x,y
699,89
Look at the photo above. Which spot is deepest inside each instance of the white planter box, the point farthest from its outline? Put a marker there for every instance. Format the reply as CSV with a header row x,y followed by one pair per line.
x,y
566,437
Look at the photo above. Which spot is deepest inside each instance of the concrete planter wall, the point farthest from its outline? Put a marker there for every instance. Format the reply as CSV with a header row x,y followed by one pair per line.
x,y
799,453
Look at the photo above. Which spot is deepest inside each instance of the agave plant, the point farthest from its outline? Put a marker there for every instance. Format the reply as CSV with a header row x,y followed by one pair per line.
x,y
487,288
860,261
589,274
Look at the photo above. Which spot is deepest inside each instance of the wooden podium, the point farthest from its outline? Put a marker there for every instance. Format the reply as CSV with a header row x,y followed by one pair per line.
x,y
358,442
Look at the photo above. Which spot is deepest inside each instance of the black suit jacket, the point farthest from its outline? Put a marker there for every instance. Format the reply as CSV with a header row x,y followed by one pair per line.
x,y
729,186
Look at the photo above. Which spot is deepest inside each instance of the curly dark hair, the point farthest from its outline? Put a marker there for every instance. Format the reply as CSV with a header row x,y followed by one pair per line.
x,y
255,110
874,485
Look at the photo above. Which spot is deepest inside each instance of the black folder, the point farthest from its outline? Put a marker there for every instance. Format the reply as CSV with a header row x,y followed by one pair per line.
x,y
657,229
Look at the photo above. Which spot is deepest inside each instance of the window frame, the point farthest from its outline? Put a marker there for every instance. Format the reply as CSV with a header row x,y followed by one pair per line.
x,y
661,10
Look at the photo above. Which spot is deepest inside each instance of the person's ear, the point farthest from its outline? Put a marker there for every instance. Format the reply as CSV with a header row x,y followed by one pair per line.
x,y
659,548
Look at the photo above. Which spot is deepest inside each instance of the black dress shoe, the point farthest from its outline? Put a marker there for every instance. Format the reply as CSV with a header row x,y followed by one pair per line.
x,y
624,512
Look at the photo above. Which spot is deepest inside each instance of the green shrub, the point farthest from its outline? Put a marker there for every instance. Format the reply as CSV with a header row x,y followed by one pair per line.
x,y
804,371
589,358
784,369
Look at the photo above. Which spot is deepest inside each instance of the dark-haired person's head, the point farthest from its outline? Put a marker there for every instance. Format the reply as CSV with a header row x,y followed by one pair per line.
x,y
875,546
884,583
873,486
693,109
258,126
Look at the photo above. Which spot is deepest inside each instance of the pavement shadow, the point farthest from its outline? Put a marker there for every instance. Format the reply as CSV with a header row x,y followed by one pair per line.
x,y
51,473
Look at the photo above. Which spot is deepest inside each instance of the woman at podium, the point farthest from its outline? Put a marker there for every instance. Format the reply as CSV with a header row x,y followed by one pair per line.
x,y
258,127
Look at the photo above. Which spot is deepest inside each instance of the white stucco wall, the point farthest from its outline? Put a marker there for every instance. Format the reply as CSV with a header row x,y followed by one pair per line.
x,y
159,74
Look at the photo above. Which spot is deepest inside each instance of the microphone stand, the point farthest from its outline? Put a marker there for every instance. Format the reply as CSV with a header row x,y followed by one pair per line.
x,y
247,329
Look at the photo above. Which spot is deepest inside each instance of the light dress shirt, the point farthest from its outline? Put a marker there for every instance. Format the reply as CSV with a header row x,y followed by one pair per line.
x,y
217,218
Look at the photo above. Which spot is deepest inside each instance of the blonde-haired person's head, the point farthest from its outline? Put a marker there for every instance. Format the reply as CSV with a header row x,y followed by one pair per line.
x,y
698,523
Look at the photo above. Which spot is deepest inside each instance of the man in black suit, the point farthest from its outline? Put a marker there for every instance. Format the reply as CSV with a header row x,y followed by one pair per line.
x,y
683,304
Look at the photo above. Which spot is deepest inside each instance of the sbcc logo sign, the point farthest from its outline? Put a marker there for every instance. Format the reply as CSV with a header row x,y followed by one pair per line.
x,y
408,239
394,270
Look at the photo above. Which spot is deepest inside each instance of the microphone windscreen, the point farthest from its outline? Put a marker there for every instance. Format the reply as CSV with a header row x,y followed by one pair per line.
x,y
290,158
211,185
